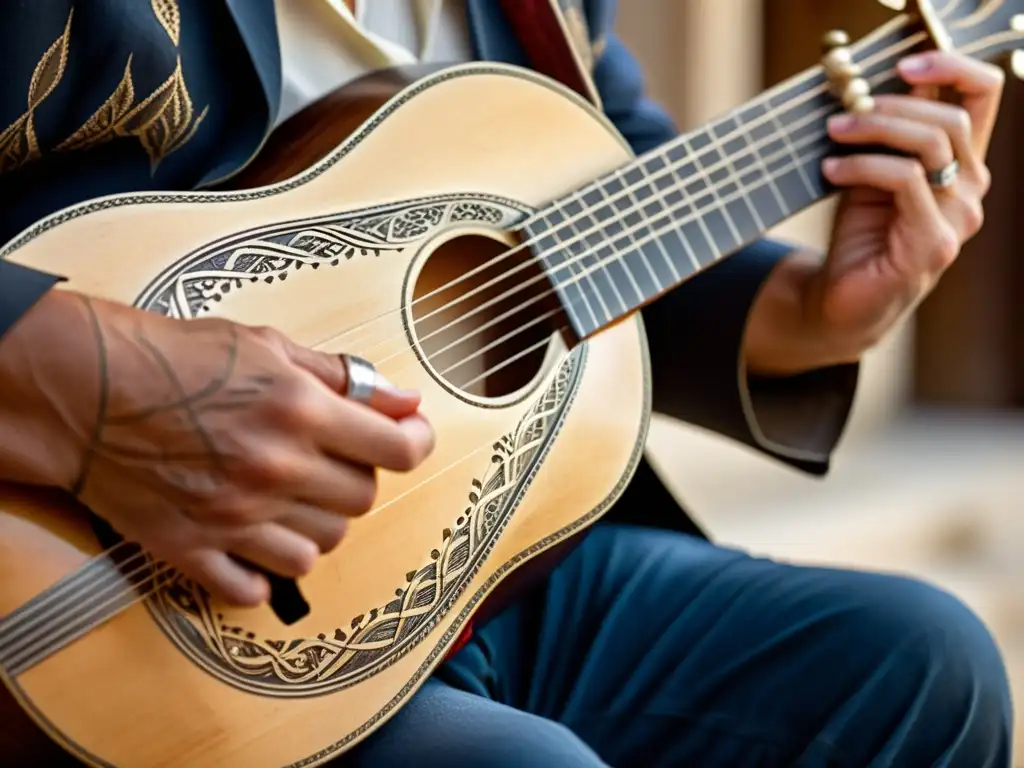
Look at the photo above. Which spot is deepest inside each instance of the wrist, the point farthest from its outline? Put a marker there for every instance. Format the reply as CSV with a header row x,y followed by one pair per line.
x,y
45,367
785,335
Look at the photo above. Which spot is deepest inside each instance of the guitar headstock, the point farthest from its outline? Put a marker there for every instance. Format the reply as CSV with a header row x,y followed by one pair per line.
x,y
983,29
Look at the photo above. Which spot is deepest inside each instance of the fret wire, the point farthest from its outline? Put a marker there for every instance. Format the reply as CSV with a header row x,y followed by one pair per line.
x,y
785,138
575,198
575,267
659,199
637,206
738,175
786,168
711,185
723,150
523,226
759,160
891,44
692,202
624,266
668,212
601,264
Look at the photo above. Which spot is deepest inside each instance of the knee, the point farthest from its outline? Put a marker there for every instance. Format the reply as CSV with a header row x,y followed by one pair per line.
x,y
934,653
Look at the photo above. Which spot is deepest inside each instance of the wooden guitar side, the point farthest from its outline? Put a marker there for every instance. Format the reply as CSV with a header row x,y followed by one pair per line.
x,y
178,681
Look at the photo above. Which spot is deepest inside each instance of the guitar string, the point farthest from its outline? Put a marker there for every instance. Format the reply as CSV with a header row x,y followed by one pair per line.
x,y
14,644
703,174
499,257
112,549
65,585
587,270
14,658
615,257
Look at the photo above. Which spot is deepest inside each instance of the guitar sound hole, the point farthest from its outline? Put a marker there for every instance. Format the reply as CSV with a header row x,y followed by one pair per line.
x,y
484,316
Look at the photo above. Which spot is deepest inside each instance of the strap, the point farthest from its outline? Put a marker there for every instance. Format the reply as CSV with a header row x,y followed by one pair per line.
x,y
540,31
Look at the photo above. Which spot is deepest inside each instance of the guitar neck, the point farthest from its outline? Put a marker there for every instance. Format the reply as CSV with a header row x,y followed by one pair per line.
x,y
631,236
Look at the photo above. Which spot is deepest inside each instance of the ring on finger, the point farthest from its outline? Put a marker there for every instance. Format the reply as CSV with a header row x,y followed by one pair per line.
x,y
946,177
362,378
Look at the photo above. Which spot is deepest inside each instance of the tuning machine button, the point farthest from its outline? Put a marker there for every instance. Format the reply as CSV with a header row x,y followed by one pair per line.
x,y
845,76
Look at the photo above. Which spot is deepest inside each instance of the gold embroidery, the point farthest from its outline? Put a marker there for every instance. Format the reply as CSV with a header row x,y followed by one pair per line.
x,y
162,123
169,16
103,124
18,142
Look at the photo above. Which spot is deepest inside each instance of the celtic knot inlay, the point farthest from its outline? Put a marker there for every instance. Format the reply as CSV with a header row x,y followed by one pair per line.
x,y
192,286
384,633
377,638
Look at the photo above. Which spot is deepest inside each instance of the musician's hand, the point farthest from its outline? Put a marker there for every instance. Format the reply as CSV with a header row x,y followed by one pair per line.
x,y
895,233
205,441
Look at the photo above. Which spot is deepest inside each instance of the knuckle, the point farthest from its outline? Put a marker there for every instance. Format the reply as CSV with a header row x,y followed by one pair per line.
x,y
229,509
267,468
364,492
265,334
974,215
947,247
333,534
962,123
938,142
294,406
997,74
984,180
303,557
914,174
407,454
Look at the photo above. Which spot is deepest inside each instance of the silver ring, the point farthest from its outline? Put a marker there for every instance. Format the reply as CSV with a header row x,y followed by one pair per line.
x,y
362,378
944,178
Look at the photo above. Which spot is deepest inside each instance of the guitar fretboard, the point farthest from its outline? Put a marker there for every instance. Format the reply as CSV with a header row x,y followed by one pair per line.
x,y
632,235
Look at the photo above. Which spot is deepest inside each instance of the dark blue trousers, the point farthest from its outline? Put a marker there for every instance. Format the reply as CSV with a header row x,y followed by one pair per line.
x,y
649,648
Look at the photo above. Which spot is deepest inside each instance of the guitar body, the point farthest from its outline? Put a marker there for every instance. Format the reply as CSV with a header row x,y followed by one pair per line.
x,y
357,208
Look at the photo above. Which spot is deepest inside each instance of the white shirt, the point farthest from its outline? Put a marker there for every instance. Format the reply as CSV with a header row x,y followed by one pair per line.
x,y
323,46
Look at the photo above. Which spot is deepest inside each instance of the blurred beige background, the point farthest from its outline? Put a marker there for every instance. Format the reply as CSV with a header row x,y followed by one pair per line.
x,y
930,479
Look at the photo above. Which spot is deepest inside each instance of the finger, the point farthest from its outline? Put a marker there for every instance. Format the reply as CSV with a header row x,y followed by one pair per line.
x,y
367,437
335,487
324,528
979,83
954,121
928,142
224,578
332,371
935,243
275,548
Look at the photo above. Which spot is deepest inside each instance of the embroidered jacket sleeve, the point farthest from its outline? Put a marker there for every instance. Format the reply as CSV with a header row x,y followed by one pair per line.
x,y
20,289
695,333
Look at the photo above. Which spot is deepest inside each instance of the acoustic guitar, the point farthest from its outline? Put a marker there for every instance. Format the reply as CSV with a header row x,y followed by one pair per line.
x,y
480,233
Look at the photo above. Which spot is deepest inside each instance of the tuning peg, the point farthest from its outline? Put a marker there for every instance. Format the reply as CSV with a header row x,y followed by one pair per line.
x,y
834,38
1017,64
845,75
837,59
895,5
1017,23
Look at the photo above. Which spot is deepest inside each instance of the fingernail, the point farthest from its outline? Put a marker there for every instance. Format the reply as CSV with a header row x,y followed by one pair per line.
x,y
830,164
383,383
914,64
841,122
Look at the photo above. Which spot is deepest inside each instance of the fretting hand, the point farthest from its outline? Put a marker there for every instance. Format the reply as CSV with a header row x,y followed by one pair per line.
x,y
210,443
898,227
